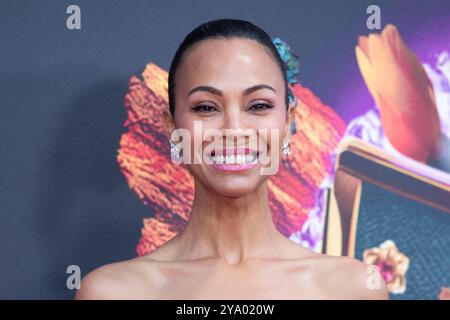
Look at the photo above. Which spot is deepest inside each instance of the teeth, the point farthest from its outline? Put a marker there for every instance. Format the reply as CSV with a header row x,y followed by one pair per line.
x,y
250,157
230,160
238,159
219,159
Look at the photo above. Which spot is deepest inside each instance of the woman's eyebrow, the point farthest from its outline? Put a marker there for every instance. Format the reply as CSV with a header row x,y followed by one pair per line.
x,y
219,93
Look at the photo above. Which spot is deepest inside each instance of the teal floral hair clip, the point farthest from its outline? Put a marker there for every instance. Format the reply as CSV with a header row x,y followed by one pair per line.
x,y
291,68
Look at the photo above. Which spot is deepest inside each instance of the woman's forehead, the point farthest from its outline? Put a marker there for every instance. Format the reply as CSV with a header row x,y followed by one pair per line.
x,y
229,60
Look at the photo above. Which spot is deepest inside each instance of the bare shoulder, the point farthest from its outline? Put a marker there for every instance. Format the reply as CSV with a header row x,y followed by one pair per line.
x,y
340,277
138,278
349,278
130,279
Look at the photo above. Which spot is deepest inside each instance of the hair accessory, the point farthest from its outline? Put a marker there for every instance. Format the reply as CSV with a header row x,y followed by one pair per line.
x,y
291,68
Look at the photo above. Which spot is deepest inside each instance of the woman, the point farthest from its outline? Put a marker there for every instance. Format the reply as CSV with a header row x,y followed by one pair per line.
x,y
228,78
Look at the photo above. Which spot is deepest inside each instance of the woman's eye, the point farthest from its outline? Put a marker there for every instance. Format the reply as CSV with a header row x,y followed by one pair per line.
x,y
203,108
261,106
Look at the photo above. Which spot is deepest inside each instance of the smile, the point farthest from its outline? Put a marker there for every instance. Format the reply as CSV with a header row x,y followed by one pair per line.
x,y
234,159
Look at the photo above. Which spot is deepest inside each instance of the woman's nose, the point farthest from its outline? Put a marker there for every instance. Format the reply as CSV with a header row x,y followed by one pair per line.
x,y
232,118
236,128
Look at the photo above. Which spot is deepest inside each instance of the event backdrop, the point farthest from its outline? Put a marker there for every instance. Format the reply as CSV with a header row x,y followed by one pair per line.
x,y
85,178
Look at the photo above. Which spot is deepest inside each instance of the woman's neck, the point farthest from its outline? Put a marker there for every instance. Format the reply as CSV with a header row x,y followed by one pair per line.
x,y
232,229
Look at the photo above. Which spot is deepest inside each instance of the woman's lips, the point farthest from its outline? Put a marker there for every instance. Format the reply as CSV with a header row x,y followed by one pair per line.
x,y
235,167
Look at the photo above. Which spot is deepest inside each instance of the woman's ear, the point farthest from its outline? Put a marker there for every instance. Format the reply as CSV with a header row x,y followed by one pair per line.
x,y
168,120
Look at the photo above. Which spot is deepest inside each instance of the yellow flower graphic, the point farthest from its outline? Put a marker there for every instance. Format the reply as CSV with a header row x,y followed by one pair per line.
x,y
392,264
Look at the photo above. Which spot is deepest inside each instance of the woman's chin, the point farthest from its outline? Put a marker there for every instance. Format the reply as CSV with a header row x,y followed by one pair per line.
x,y
233,192
228,183
235,187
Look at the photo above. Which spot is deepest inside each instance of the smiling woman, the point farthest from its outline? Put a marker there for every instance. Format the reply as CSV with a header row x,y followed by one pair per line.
x,y
228,76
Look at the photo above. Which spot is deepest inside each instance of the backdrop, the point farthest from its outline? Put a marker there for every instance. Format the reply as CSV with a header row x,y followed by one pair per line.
x,y
63,198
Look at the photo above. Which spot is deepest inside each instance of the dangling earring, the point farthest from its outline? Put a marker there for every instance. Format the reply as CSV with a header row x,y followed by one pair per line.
x,y
286,147
175,152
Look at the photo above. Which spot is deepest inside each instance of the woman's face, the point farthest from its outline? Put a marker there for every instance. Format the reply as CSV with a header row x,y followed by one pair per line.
x,y
236,118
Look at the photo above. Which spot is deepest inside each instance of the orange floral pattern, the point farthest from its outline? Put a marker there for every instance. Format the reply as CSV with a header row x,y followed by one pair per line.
x,y
168,189
444,294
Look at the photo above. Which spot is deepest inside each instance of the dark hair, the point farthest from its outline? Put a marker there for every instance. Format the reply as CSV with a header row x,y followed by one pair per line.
x,y
225,29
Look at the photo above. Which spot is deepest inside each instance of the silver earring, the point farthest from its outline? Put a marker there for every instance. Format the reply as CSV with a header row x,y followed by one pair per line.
x,y
175,152
286,147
